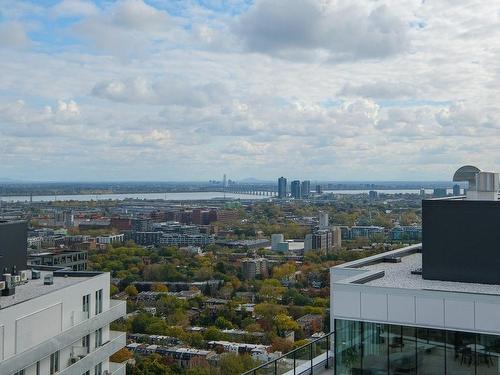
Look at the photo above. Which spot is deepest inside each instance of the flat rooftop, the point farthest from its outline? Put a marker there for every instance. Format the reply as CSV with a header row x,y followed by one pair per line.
x,y
375,271
36,288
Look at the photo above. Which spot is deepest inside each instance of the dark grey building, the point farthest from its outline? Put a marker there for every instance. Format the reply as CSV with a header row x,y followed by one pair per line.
x,y
460,240
296,190
306,188
13,245
282,187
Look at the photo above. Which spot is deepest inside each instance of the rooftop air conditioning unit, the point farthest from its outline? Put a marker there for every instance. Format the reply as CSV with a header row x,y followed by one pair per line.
x,y
2,285
35,275
24,276
48,280
16,279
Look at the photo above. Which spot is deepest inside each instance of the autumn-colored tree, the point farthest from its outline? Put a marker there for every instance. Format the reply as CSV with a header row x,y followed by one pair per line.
x,y
131,290
159,287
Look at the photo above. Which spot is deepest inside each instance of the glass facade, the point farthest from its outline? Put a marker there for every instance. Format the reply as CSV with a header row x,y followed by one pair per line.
x,y
364,348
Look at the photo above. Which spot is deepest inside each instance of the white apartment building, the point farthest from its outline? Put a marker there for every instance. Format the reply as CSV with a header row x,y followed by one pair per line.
x,y
60,328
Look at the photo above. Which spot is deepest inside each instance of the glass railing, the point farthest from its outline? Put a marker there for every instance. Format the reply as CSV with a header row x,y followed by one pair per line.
x,y
312,358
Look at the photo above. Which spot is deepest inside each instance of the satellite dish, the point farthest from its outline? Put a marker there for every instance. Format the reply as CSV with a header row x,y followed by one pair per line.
x,y
466,173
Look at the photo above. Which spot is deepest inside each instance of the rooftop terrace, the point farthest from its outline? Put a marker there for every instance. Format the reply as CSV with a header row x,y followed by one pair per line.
x,y
378,271
36,288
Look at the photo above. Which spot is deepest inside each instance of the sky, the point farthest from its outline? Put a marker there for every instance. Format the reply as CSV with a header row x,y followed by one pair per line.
x,y
188,90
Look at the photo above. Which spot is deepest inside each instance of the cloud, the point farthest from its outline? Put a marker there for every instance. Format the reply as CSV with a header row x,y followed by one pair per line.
x,y
342,30
72,8
379,90
126,27
141,90
13,34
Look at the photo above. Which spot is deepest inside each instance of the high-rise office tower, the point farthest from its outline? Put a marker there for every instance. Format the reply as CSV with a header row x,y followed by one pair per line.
x,y
319,189
456,189
295,189
282,188
306,188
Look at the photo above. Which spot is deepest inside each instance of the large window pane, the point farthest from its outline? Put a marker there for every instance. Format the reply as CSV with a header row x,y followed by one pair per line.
x,y
430,351
487,354
402,350
460,353
375,344
348,347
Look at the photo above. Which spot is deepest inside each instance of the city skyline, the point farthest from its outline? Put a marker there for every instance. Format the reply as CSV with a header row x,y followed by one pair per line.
x,y
171,91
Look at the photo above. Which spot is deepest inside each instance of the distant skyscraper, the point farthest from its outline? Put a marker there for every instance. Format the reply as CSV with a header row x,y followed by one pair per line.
x,y
422,192
319,189
282,193
373,194
224,181
295,189
306,188
456,189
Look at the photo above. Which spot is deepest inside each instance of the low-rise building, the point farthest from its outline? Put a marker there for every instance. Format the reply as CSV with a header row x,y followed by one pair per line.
x,y
73,259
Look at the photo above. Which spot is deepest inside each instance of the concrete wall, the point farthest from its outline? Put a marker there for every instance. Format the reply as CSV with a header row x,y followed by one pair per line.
x,y
437,309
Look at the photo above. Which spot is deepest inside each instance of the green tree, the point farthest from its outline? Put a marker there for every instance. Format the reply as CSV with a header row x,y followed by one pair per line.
x,y
235,364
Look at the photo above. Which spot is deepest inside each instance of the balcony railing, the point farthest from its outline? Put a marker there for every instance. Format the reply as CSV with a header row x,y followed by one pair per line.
x,y
117,340
117,309
312,358
117,368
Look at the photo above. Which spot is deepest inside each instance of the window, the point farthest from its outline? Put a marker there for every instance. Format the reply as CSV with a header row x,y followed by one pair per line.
x,y
98,302
37,372
98,369
54,363
86,343
86,304
372,349
20,372
98,338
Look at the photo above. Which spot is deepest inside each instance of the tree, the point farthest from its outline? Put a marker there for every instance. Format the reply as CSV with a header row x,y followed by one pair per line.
x,y
223,323
131,290
271,289
159,287
113,289
285,323
284,271
235,364
213,334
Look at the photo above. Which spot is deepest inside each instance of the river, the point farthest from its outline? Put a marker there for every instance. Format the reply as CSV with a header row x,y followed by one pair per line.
x,y
180,196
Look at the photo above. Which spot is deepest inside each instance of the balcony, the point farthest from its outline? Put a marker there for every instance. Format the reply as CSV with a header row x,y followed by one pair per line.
x,y
314,358
117,340
117,368
117,309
